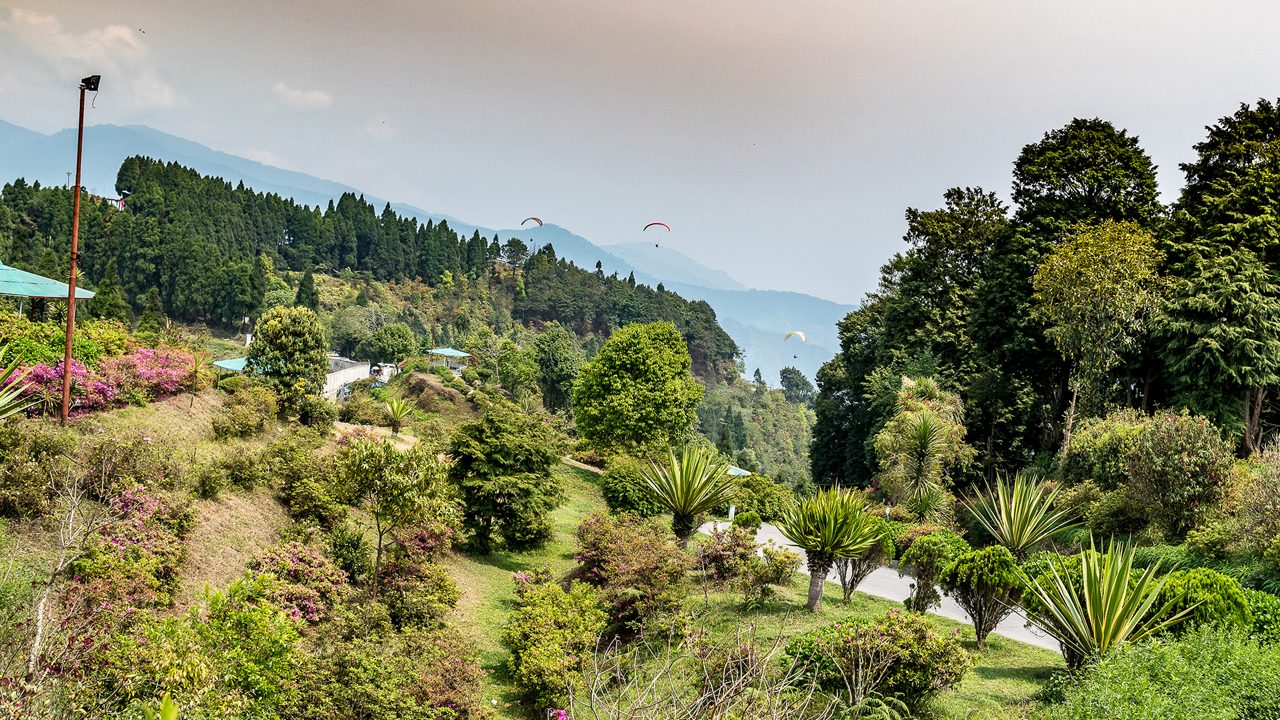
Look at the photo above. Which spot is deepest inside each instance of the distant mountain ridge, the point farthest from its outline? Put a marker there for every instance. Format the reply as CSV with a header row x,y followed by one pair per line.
x,y
756,319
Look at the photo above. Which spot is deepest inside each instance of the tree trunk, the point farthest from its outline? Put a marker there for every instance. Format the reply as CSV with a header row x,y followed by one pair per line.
x,y
684,527
1253,401
818,567
1071,418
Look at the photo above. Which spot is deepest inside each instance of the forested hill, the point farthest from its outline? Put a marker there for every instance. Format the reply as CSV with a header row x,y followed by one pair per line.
x,y
197,247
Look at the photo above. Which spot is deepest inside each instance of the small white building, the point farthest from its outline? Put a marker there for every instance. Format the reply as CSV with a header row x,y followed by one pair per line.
x,y
343,371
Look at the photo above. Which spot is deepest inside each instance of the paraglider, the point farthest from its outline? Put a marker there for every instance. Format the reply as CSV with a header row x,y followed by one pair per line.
x,y
795,333
537,220
660,224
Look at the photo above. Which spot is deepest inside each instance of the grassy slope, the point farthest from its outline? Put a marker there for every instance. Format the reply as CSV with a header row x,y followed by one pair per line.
x,y
1000,687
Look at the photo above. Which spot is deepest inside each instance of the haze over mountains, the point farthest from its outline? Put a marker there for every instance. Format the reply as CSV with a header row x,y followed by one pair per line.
x,y
757,319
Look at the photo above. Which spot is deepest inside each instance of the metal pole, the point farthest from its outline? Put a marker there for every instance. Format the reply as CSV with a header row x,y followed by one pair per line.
x,y
71,284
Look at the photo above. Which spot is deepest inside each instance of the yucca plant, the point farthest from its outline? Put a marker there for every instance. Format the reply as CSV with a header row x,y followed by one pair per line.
x,y
168,710
688,486
833,523
1107,607
11,388
1019,513
398,411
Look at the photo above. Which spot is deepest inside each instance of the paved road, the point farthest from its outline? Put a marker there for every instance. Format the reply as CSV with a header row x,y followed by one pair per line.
x,y
886,583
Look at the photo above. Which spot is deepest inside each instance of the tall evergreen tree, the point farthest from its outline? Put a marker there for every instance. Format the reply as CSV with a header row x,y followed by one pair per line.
x,y
109,302
307,296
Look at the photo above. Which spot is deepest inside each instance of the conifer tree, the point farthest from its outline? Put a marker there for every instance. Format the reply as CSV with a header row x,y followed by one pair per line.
x,y
307,296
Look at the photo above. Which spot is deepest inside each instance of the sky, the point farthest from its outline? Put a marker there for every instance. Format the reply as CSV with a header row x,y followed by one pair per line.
x,y
782,140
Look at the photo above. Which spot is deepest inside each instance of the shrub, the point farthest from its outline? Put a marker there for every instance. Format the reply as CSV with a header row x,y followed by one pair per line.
x,y
551,633
773,567
639,570
316,412
149,373
1259,508
89,390
724,555
926,559
904,534
418,597
625,489
362,409
909,659
762,496
1207,596
1264,608
29,453
246,413
1178,469
1117,512
747,521
986,584
308,583
1205,675
853,570
1211,540
351,552
240,466
1100,448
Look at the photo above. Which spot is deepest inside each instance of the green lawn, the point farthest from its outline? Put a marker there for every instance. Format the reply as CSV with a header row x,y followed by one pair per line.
x,y
1001,686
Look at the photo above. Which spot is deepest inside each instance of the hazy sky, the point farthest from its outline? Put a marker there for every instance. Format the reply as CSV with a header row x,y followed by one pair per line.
x,y
781,140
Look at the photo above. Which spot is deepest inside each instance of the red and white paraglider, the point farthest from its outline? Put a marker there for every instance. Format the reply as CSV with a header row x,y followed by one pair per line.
x,y
533,219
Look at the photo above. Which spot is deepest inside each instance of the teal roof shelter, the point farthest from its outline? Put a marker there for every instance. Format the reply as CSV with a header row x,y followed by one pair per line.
x,y
231,364
20,283
448,352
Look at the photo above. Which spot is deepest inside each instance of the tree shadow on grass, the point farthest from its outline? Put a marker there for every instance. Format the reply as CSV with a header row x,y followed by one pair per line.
x,y
1029,673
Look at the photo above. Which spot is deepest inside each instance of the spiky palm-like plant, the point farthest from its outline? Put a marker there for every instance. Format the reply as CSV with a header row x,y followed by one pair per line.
x,y
689,485
11,388
1019,514
398,411
832,524
1107,607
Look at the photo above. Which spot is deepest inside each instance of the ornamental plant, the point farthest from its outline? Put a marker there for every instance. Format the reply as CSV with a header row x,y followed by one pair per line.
x,y
926,559
640,572
1205,597
552,633
832,524
309,583
987,584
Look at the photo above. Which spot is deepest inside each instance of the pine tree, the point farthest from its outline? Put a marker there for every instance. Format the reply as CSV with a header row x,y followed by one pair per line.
x,y
307,296
109,303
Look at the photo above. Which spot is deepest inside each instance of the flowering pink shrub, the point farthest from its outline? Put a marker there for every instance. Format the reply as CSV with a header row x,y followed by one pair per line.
x,y
309,582
147,372
89,390
153,372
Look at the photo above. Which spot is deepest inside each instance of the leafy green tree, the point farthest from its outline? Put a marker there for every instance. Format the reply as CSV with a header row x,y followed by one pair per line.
x,y
833,523
796,387
516,371
289,351
987,585
307,296
502,467
638,391
927,557
390,343
559,361
108,302
1097,292
515,251
397,488
689,486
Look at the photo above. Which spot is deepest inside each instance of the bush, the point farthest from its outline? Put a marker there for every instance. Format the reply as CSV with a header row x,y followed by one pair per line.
x,y
636,565
1117,512
29,453
362,409
986,584
1178,470
552,633
1211,597
1264,608
1206,675
240,466
747,521
418,591
773,567
149,373
1211,540
905,534
626,491
351,552
1100,448
308,583
902,656
762,496
316,412
246,413
926,559
724,555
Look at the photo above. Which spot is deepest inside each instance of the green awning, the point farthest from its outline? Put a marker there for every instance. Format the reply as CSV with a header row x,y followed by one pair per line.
x,y
736,471
20,283
449,352
232,364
